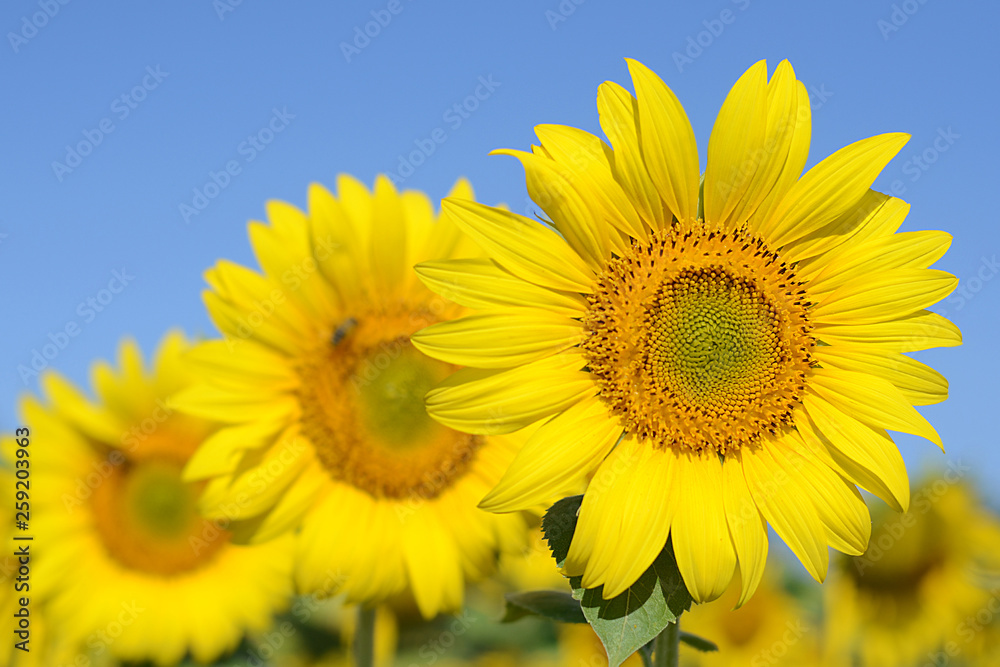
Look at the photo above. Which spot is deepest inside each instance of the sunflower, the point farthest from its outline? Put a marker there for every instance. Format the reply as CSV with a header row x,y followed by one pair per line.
x,y
137,574
723,355
927,588
773,628
322,396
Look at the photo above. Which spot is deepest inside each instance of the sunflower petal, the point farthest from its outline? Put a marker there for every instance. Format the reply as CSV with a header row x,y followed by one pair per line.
x,y
493,402
747,527
482,284
563,450
832,187
499,339
872,400
525,248
667,140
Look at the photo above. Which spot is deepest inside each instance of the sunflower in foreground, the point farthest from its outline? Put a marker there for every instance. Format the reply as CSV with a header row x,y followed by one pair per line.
x,y
722,356
128,568
322,396
926,589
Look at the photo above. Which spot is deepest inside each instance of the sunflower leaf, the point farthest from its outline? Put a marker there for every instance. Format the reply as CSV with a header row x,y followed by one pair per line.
x,y
698,643
558,606
628,621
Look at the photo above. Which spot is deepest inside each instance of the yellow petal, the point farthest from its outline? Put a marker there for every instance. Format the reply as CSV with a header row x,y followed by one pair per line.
x,y
871,400
832,187
874,215
482,284
700,532
618,112
736,147
584,158
491,402
219,404
919,331
525,248
499,339
786,147
650,505
667,140
432,564
838,504
909,250
883,296
747,527
221,452
780,497
562,451
866,456
93,420
389,246
920,384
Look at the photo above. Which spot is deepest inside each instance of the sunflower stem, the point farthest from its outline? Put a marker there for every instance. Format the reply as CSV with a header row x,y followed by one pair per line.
x,y
666,647
364,637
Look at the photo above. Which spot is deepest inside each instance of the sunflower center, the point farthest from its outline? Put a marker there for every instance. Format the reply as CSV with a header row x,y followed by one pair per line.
x,y
699,339
147,517
362,401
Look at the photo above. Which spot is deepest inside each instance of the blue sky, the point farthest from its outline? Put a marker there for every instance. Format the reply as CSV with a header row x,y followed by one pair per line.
x,y
140,138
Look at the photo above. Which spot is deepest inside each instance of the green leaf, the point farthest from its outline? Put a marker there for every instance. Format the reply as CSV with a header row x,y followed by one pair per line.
x,y
698,643
628,621
558,606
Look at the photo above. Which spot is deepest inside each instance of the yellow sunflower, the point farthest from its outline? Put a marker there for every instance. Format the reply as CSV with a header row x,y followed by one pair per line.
x,y
724,355
772,628
322,396
927,589
125,565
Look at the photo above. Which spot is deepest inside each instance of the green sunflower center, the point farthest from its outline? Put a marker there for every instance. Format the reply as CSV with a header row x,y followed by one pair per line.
x,y
147,516
712,339
362,401
699,339
160,501
392,400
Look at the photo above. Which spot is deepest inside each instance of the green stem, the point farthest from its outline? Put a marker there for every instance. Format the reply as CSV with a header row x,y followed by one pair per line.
x,y
364,637
666,647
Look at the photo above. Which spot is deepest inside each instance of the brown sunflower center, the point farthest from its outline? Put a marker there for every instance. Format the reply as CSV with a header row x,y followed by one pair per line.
x,y
699,339
362,401
147,517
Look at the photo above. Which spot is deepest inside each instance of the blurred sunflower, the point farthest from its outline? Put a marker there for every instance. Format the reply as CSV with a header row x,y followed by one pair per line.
x,y
722,354
137,574
322,396
927,588
773,628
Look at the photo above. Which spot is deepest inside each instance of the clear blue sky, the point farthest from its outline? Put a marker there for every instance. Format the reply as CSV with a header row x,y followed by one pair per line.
x,y
209,79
